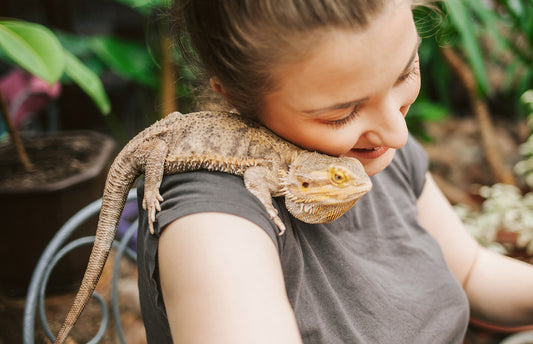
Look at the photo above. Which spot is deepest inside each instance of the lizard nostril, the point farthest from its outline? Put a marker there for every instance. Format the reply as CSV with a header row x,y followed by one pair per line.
x,y
305,185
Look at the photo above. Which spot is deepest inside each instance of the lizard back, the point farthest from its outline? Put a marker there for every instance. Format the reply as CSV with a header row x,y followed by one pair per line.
x,y
219,141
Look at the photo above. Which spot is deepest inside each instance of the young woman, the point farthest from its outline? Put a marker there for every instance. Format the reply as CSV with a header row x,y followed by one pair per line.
x,y
335,76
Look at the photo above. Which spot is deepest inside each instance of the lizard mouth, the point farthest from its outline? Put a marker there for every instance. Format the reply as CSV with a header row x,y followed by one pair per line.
x,y
313,213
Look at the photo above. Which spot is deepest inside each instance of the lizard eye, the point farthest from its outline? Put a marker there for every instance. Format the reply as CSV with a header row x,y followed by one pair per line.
x,y
337,176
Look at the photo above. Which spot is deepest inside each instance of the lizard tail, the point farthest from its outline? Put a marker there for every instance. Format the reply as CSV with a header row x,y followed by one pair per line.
x,y
119,181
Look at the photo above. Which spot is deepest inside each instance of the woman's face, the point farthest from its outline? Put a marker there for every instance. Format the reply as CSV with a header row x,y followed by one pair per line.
x,y
350,97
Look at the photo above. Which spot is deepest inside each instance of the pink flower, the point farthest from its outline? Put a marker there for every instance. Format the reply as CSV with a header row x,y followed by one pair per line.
x,y
26,94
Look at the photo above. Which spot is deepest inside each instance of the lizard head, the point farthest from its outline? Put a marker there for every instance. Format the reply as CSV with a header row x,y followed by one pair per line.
x,y
319,188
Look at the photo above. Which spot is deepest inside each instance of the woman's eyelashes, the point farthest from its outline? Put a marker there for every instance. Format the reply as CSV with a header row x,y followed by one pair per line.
x,y
337,123
413,72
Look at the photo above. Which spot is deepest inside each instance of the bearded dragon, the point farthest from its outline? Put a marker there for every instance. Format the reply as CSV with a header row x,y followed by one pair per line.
x,y
318,188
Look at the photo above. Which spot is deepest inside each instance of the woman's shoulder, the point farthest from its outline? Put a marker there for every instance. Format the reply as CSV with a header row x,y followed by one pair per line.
x,y
205,191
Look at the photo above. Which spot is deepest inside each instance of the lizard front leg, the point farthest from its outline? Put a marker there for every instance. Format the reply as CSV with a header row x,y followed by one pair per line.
x,y
153,174
261,184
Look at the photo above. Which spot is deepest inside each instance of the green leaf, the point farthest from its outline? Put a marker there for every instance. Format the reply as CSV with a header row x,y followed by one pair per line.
x,y
128,59
490,23
514,8
78,45
427,111
464,24
34,48
88,81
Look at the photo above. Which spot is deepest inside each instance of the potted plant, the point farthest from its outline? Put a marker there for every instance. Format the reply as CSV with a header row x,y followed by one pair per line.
x,y
35,204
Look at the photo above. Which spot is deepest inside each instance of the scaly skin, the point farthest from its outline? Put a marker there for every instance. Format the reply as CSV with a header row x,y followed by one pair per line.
x,y
318,188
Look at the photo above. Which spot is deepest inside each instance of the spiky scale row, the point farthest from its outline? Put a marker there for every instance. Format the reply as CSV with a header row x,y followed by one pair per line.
x,y
211,163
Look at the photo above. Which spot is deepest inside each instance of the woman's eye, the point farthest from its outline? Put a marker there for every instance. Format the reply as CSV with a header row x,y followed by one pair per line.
x,y
343,121
413,72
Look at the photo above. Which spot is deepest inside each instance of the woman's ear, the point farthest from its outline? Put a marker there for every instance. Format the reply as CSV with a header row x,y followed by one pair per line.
x,y
217,86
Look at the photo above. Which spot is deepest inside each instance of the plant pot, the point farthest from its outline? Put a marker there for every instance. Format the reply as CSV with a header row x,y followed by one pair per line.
x,y
35,211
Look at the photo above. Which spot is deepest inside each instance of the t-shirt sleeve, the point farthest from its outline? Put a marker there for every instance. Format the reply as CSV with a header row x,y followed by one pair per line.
x,y
413,162
202,191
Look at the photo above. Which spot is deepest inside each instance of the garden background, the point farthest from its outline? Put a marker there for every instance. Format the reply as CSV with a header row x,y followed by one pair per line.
x,y
112,69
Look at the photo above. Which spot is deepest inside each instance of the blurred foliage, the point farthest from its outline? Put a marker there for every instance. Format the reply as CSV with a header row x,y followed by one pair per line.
x,y
495,38
133,60
139,60
103,53
52,53
36,49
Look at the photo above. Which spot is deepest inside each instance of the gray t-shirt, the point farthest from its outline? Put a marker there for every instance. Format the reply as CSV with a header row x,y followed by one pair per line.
x,y
372,276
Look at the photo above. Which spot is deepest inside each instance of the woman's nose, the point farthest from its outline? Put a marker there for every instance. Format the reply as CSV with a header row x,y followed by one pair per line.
x,y
387,126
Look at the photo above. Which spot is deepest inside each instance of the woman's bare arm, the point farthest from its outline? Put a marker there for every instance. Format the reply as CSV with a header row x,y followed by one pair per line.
x,y
222,282
499,289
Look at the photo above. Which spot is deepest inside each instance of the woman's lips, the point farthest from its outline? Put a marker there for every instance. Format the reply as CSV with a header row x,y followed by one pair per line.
x,y
369,153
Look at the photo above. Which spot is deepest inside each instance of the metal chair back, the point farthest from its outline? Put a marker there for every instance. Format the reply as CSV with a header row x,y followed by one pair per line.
x,y
57,249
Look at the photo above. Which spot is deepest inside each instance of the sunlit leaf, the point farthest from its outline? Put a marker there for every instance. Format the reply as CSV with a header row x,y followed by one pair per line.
x,y
469,43
34,48
489,19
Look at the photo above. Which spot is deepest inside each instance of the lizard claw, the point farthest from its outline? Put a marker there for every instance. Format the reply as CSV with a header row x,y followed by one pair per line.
x,y
151,203
280,225
275,217
151,227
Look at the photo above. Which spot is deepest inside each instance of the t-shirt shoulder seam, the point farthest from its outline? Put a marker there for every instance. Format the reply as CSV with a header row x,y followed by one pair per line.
x,y
239,209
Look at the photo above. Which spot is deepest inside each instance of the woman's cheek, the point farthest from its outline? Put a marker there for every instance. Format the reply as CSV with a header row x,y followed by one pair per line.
x,y
336,141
